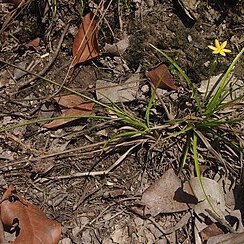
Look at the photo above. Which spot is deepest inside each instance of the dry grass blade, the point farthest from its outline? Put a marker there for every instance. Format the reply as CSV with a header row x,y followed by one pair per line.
x,y
103,172
12,15
210,148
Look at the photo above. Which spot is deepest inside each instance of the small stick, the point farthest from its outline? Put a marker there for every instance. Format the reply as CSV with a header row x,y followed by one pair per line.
x,y
182,222
169,115
50,63
96,173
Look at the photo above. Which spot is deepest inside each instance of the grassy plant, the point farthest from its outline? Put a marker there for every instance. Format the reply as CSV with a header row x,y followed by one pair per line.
x,y
216,101
200,128
126,4
206,116
208,123
82,7
205,122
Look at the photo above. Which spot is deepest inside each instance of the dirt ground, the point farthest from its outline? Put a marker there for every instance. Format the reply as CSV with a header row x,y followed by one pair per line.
x,y
58,169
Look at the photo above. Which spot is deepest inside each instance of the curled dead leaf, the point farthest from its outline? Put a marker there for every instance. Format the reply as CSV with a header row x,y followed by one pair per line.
x,y
117,48
75,106
209,231
69,101
28,221
161,77
85,45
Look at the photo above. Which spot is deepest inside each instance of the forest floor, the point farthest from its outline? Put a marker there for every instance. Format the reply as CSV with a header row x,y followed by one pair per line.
x,y
86,174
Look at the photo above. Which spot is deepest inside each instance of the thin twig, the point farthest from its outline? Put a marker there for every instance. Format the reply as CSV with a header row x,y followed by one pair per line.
x,y
211,149
90,146
83,41
50,63
14,14
169,115
180,224
96,173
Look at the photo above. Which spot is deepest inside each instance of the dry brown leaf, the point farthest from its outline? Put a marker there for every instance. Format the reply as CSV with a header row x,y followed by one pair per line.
x,y
35,42
165,196
69,101
229,238
85,110
108,92
85,45
161,77
30,223
2,239
215,194
117,48
76,106
211,230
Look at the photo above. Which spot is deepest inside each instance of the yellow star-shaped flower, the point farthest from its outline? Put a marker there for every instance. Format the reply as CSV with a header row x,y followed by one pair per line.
x,y
219,48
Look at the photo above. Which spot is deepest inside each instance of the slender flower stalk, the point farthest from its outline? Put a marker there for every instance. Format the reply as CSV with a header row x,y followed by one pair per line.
x,y
219,48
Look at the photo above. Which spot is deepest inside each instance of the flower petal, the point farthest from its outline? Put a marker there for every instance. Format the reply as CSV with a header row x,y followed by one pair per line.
x,y
227,50
219,48
222,53
223,45
216,42
212,47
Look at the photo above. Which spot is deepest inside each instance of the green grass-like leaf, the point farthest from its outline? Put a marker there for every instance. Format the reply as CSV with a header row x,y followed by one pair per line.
x,y
215,101
198,172
184,75
12,127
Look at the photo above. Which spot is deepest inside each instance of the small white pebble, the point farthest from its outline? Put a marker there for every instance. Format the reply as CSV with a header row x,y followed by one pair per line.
x,y
49,202
206,64
174,96
189,38
154,111
145,89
